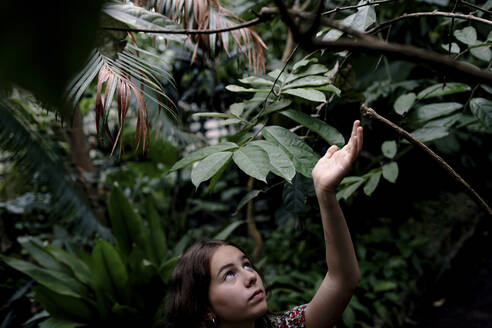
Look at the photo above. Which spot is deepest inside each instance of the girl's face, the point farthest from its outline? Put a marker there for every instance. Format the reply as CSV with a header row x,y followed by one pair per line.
x,y
236,292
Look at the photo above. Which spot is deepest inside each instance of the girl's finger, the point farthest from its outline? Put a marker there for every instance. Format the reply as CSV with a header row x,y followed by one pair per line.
x,y
360,133
330,152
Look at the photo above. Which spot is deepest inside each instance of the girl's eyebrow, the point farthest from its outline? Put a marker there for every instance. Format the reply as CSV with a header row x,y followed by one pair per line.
x,y
228,265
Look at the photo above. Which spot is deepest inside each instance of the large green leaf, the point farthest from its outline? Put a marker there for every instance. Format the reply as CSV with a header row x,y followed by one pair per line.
x,y
308,81
166,269
482,52
238,88
372,183
299,152
128,227
427,134
256,80
36,249
253,160
442,89
202,153
59,282
468,35
315,69
482,109
390,171
227,231
309,94
280,163
141,18
276,106
109,272
157,237
63,306
404,102
348,186
209,166
325,131
389,148
79,269
249,196
429,112
60,323
294,195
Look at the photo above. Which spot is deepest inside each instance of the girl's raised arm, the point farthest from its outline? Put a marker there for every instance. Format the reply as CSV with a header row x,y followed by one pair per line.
x,y
343,273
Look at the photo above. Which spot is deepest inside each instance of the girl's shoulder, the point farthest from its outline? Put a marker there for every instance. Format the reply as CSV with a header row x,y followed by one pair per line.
x,y
294,318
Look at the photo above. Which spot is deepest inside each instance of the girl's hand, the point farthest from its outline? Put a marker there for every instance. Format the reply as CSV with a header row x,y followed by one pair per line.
x,y
332,167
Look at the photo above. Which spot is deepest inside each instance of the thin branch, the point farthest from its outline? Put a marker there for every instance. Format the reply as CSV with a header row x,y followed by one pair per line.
x,y
355,6
476,7
371,113
432,13
255,21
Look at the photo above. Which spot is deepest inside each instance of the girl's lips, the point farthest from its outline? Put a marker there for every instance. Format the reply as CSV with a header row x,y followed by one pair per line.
x,y
257,295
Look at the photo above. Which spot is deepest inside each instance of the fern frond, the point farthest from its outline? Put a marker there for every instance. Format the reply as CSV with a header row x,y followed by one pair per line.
x,y
19,135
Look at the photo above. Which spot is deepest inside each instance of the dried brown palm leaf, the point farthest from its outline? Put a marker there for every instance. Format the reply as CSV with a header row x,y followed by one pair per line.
x,y
209,14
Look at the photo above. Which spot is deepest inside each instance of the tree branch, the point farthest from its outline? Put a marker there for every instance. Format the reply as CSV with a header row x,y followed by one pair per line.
x,y
432,13
258,20
476,7
371,113
355,6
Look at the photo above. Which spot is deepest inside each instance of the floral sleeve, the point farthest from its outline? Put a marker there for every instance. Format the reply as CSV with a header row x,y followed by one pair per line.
x,y
294,318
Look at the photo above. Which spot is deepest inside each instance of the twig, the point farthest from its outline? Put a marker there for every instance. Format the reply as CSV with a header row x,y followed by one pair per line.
x,y
355,6
432,13
371,113
254,21
476,7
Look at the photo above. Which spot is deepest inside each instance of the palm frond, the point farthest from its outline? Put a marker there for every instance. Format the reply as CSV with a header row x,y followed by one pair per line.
x,y
209,14
19,135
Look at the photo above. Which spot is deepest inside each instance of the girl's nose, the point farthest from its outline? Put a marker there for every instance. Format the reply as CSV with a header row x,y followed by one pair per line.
x,y
250,278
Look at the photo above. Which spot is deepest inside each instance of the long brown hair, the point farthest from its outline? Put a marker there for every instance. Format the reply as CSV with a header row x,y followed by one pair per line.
x,y
187,303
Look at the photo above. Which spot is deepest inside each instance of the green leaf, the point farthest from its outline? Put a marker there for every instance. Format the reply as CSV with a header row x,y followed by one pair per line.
x,y
253,161
214,114
483,53
167,268
227,231
141,18
455,48
489,37
348,186
301,64
207,167
40,254
482,109
372,183
390,171
277,105
383,286
468,35
280,162
63,306
365,17
157,237
426,134
59,282
249,196
389,148
78,267
109,271
309,94
128,226
315,69
202,153
60,323
295,194
429,112
238,88
236,109
348,317
325,131
299,152
440,89
308,81
404,102
329,88
486,88
255,80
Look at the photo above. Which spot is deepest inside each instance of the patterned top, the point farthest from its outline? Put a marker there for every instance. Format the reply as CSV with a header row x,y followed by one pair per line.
x,y
294,318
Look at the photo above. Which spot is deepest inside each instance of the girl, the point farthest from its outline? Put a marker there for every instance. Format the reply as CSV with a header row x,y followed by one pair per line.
x,y
214,285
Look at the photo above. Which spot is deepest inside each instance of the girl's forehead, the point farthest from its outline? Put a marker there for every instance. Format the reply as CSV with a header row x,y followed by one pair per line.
x,y
224,255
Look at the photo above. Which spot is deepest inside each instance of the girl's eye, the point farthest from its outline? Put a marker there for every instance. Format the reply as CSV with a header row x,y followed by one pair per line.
x,y
247,265
228,275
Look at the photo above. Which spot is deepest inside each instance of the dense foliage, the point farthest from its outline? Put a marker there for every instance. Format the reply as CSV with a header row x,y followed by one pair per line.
x,y
161,139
